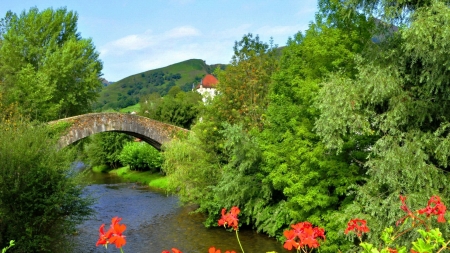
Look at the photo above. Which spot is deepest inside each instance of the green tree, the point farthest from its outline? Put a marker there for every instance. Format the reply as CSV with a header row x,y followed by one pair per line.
x,y
243,87
47,68
217,165
177,107
400,96
104,148
309,183
140,156
41,201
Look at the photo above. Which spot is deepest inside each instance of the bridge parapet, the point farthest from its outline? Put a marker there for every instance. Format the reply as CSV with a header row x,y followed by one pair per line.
x,y
151,131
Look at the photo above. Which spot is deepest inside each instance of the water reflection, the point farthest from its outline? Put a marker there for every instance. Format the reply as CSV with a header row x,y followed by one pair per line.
x,y
156,222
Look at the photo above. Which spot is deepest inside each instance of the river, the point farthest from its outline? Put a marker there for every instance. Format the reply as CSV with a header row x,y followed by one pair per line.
x,y
157,222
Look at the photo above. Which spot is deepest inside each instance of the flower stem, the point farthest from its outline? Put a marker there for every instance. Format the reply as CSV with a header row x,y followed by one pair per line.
x,y
239,241
121,250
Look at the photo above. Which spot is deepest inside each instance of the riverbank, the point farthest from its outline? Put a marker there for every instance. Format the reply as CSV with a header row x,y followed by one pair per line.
x,y
151,179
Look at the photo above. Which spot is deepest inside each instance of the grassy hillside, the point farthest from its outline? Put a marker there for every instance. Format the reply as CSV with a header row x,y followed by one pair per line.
x,y
128,91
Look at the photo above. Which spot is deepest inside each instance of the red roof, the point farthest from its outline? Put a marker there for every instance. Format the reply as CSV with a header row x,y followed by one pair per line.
x,y
209,81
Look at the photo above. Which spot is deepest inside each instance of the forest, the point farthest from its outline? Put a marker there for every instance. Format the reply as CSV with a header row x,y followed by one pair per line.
x,y
348,120
351,115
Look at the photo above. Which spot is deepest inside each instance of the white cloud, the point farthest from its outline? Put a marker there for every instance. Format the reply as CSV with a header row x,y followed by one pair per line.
x,y
180,32
141,52
137,42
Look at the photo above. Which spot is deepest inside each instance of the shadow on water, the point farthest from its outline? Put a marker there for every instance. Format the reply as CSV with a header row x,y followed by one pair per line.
x,y
157,222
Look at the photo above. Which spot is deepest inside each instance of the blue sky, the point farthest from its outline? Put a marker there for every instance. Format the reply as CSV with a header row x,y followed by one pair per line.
x,y
133,36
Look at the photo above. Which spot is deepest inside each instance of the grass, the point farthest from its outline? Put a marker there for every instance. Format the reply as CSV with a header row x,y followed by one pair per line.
x,y
100,169
131,108
155,180
137,85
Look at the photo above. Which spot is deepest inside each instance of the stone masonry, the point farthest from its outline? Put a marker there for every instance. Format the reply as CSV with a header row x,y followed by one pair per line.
x,y
151,131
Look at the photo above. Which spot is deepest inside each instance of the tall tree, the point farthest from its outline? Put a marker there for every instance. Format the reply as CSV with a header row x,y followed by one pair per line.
x,y
310,183
217,165
41,199
401,97
244,85
48,69
177,107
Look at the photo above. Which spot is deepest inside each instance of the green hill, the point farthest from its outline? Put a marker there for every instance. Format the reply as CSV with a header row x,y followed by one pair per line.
x,y
128,91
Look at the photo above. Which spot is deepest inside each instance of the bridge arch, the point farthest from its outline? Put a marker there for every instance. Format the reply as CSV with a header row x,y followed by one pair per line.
x,y
151,131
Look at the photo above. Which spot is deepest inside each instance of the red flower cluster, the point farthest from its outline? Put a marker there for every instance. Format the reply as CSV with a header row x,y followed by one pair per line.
x,y
303,234
174,250
230,219
404,207
214,250
359,226
435,207
113,235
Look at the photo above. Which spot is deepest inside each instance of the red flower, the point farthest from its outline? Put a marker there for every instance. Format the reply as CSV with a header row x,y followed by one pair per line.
x,y
223,220
103,238
358,226
404,207
290,240
114,234
174,250
213,250
392,250
230,219
303,234
308,238
117,229
435,207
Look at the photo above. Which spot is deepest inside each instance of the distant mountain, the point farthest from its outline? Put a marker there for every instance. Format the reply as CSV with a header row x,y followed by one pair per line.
x,y
105,82
128,91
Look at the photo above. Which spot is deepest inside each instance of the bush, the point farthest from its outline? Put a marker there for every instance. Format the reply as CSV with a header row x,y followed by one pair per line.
x,y
40,202
140,155
104,148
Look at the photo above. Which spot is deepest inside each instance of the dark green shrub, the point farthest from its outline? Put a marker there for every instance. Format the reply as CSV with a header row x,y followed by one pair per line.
x,y
140,156
104,149
41,201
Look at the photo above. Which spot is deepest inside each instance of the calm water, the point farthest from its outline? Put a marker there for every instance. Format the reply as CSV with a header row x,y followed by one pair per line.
x,y
157,222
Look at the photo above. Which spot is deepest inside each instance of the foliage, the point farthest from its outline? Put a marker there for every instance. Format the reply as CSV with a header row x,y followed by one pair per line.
x,y
104,148
400,98
140,156
217,164
191,170
48,70
11,244
41,201
244,85
184,75
428,239
261,150
177,107
307,181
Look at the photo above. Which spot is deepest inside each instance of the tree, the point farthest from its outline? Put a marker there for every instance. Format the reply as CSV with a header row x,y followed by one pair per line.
x,y
177,107
104,148
244,85
400,97
48,69
140,156
307,181
41,200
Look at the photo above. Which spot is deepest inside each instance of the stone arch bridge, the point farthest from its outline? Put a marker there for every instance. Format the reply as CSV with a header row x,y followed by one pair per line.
x,y
151,131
